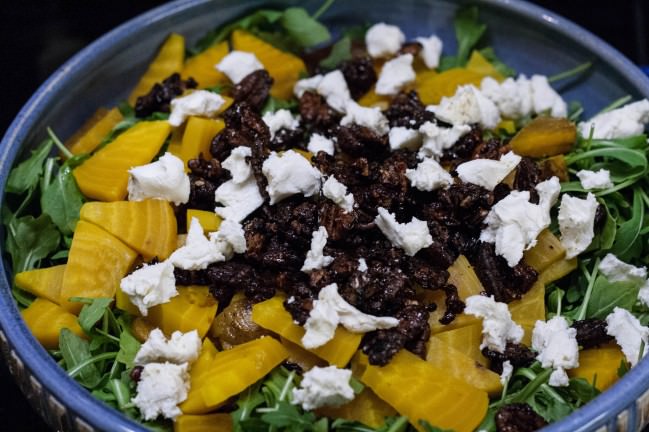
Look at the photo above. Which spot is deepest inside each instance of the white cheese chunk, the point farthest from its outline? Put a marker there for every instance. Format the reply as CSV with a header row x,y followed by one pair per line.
x,y
595,179
239,196
498,328
411,237
404,138
513,100
238,165
180,348
329,310
239,64
513,224
319,143
198,252
616,270
431,50
324,386
362,265
488,173
467,106
150,285
437,139
383,40
280,119
307,84
627,121
161,388
333,88
163,179
337,192
201,103
315,257
229,239
546,99
556,344
577,223
395,74
429,176
371,118
628,333
289,174
506,374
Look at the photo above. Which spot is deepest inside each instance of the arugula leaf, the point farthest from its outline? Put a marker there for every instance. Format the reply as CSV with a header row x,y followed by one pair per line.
x,y
340,51
627,239
62,200
29,240
75,352
25,176
246,404
430,428
273,104
287,415
305,30
93,312
468,32
606,295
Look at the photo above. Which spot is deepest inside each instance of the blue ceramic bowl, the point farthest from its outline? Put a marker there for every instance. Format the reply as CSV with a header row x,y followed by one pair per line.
x,y
529,38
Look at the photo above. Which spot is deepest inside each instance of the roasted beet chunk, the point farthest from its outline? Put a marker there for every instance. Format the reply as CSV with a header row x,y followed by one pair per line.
x,y
358,140
359,74
503,282
518,417
253,89
201,193
317,115
517,354
412,333
591,332
407,110
160,95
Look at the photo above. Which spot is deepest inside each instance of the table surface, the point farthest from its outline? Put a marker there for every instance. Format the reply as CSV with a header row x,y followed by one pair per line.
x,y
40,35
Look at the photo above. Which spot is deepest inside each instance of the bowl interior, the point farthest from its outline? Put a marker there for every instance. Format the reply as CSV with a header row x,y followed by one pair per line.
x,y
527,38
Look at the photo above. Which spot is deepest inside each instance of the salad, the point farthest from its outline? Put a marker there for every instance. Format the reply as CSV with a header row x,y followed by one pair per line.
x,y
277,231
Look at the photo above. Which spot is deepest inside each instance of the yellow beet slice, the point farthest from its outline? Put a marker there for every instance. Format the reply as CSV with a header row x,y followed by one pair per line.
x,y
168,61
530,308
443,356
557,270
147,226
555,166
197,138
46,319
45,282
548,249
228,378
421,391
201,66
300,356
90,135
200,368
104,176
366,408
284,67
545,136
508,126
601,362
97,262
433,87
466,340
123,302
193,308
479,64
271,315
209,220
176,140
371,99
203,423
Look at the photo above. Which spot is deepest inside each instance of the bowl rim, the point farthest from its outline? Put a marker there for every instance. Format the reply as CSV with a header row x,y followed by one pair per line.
x,y
94,412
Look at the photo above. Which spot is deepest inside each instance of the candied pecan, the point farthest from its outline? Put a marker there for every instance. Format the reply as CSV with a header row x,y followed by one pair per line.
x,y
461,205
422,271
503,282
358,140
227,277
410,48
281,254
201,193
527,177
591,332
490,149
208,169
294,218
253,89
463,149
190,277
160,95
454,305
517,354
407,110
359,74
336,221
299,308
285,139
316,115
518,417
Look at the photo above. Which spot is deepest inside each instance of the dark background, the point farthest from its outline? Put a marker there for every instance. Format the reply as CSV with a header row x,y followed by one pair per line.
x,y
38,36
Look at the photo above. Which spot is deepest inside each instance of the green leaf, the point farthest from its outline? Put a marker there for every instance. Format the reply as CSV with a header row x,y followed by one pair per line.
x,y
430,428
273,104
606,295
128,348
303,29
25,176
623,369
75,351
489,54
340,51
29,240
286,415
93,312
248,401
582,390
62,200
468,31
627,238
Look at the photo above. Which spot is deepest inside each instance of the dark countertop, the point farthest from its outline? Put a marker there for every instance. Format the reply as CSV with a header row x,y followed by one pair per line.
x,y
39,35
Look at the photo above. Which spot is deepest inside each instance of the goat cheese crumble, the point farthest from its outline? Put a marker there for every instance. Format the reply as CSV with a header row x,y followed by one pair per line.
x,y
337,192
163,179
239,64
595,179
197,103
324,386
623,122
162,386
488,173
280,119
404,138
428,176
362,265
431,50
467,106
577,223
383,40
556,344
180,348
329,310
238,165
498,328
436,139
198,252
333,88
315,257
318,143
506,374
150,285
545,99
240,195
395,74
616,270
411,237
629,334
371,118
289,174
